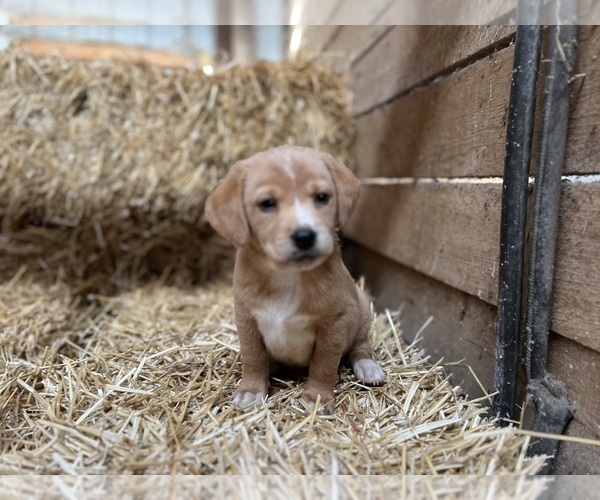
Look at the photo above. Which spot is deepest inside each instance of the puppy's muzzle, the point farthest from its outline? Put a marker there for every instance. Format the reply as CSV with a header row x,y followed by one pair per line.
x,y
304,239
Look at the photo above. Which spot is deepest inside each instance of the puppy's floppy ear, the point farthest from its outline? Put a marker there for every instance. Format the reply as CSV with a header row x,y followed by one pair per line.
x,y
347,188
224,207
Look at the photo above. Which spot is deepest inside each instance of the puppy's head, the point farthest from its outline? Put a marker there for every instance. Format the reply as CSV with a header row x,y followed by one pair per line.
x,y
288,201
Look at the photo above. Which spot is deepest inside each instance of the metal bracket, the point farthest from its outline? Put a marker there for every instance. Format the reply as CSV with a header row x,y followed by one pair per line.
x,y
547,410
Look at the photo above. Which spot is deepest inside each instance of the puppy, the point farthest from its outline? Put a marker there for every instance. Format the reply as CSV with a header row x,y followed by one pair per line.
x,y
295,302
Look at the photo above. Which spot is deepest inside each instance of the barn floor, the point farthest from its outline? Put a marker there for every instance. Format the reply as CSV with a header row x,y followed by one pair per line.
x,y
141,382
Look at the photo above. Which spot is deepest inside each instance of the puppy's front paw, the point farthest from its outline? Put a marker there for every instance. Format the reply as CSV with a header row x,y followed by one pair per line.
x,y
245,399
368,372
327,403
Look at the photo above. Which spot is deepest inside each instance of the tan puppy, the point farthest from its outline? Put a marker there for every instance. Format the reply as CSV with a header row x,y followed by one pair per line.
x,y
295,302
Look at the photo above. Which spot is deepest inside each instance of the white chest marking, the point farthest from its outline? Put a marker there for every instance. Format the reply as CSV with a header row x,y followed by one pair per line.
x,y
287,334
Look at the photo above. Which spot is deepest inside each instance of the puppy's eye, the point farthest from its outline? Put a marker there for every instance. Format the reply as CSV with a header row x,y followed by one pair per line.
x,y
267,205
321,198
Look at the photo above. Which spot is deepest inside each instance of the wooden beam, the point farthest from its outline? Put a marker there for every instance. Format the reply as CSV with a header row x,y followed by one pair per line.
x,y
449,230
454,127
410,55
577,270
93,51
579,368
583,138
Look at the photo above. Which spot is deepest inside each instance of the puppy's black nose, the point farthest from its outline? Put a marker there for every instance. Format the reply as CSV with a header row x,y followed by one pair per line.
x,y
304,239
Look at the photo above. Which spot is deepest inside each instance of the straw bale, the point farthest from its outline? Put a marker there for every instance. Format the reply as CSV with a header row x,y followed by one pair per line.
x,y
145,388
105,165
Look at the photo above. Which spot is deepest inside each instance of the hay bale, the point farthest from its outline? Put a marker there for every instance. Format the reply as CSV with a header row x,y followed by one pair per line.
x,y
145,388
105,166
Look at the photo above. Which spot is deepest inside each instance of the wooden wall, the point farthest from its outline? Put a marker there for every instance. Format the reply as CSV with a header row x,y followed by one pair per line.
x,y
431,106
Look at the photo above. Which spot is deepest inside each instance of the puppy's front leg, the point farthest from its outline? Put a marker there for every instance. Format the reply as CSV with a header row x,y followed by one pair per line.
x,y
323,371
254,387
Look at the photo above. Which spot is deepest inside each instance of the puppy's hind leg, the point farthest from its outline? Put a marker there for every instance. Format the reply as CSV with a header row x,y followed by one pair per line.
x,y
360,355
365,368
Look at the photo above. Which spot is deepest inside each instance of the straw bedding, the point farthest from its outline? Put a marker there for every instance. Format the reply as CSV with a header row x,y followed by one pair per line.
x,y
141,383
117,356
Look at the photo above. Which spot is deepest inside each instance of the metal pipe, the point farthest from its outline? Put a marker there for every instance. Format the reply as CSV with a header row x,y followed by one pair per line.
x,y
561,48
513,216
548,408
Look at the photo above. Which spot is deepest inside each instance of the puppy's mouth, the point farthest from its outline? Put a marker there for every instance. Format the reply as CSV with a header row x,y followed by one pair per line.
x,y
301,259
307,257
306,260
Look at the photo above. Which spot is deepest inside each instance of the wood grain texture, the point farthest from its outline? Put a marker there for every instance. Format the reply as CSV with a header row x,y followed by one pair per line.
x,y
450,232
583,139
451,128
463,328
573,458
456,126
447,231
577,270
410,55
579,368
